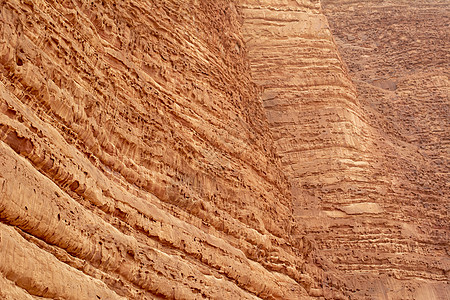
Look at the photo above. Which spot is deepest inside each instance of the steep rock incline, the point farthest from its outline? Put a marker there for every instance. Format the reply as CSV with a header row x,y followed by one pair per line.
x,y
375,201
400,51
309,100
136,160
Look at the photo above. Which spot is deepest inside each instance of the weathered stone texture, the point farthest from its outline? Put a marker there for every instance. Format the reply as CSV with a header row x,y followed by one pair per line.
x,y
224,149
368,165
398,54
136,159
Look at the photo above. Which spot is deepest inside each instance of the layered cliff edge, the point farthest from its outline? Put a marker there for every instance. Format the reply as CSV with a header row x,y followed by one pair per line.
x,y
204,149
398,56
365,149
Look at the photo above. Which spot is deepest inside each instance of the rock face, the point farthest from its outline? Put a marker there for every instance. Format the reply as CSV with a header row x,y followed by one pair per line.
x,y
220,149
319,128
136,160
367,159
398,55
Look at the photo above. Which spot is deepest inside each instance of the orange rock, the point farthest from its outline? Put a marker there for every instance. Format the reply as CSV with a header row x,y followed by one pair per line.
x,y
221,150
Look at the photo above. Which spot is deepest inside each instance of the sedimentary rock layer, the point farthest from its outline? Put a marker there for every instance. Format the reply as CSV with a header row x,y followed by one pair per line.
x,y
193,149
372,196
398,54
309,99
136,160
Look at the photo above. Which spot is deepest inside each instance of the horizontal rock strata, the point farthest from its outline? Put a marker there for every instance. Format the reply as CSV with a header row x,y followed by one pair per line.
x,y
398,54
224,149
372,199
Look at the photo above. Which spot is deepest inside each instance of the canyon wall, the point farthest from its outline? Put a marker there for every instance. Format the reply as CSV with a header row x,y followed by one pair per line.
x,y
321,133
172,149
136,160
367,162
398,55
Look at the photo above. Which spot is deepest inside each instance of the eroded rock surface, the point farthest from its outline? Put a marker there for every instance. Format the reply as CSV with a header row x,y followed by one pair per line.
x,y
398,56
367,158
224,150
136,160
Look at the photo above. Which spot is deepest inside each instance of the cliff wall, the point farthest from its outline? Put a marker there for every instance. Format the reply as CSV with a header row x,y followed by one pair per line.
x,y
136,160
197,149
366,158
398,56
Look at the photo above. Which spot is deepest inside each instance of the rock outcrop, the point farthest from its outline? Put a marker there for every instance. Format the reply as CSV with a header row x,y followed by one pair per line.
x,y
136,160
224,149
368,168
